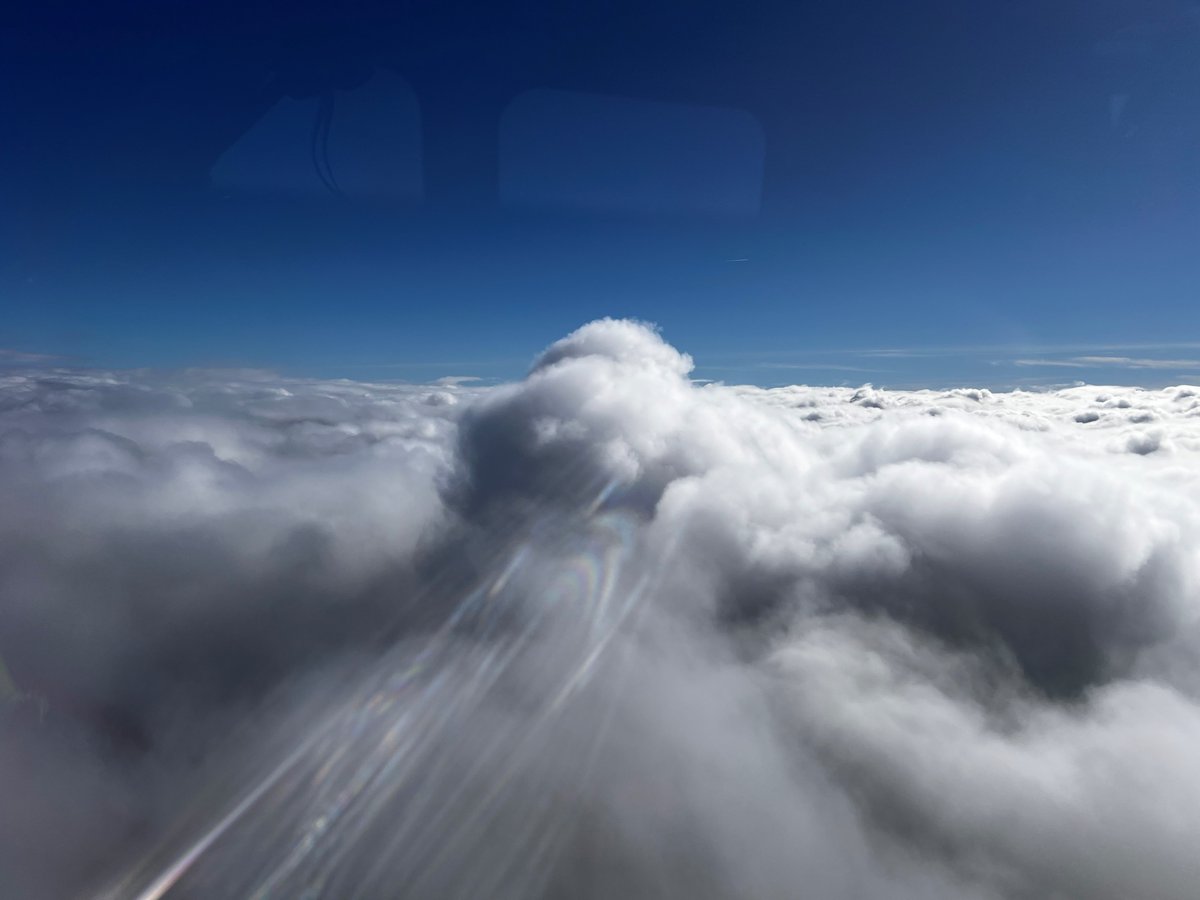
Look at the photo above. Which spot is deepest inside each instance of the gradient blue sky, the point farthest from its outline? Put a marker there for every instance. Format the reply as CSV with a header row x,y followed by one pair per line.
x,y
907,194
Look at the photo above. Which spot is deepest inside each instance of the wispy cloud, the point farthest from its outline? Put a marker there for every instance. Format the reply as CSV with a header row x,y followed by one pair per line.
x,y
1119,362
1142,363
1077,350
1056,363
452,380
910,353
819,366
9,357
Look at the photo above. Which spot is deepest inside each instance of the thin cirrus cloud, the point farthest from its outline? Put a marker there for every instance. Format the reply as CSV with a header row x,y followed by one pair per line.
x,y
831,367
1050,351
1121,362
10,357
600,632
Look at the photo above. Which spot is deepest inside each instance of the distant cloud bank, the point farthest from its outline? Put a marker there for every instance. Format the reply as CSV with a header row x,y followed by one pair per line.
x,y
603,632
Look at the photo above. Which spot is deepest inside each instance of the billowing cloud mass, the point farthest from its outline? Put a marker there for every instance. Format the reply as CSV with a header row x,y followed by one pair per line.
x,y
604,632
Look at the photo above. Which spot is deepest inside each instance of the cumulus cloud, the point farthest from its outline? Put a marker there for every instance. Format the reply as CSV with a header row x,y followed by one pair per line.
x,y
602,632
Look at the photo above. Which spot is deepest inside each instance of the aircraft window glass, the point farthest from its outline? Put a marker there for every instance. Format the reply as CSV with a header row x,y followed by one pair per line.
x,y
592,152
363,143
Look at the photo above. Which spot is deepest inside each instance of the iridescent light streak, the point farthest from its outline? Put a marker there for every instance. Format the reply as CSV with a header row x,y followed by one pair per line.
x,y
161,885
377,771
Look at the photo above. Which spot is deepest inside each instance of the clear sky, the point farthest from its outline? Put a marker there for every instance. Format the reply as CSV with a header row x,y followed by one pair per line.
x,y
991,192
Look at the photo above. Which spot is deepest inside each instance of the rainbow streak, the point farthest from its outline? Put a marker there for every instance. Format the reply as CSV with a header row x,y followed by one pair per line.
x,y
366,756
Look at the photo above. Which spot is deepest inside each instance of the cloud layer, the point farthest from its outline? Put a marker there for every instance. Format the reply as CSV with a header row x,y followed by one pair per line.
x,y
603,632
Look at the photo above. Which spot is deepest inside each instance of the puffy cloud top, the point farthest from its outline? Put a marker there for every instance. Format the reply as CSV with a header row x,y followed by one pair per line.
x,y
617,340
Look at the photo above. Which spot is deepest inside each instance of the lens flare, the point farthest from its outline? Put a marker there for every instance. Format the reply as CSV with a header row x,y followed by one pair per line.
x,y
402,781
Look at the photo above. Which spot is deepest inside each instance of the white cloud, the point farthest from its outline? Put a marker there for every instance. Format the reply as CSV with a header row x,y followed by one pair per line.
x,y
10,357
1139,363
608,632
1120,362
1052,363
830,367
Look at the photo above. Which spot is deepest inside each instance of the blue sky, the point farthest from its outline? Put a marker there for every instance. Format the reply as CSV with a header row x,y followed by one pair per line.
x,y
997,193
